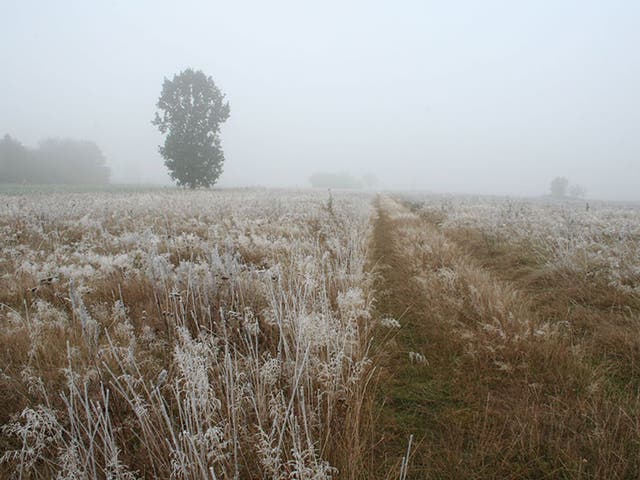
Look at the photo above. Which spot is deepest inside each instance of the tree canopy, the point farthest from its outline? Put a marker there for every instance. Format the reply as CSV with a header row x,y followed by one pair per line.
x,y
334,180
54,161
559,186
191,110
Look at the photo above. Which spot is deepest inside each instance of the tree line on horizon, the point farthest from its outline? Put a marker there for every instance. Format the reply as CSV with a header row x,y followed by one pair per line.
x,y
560,187
342,180
53,161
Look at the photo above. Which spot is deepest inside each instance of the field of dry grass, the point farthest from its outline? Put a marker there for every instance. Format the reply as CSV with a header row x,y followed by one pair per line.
x,y
297,335
530,335
184,335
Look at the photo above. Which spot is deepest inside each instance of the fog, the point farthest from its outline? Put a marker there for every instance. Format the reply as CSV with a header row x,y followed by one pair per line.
x,y
462,96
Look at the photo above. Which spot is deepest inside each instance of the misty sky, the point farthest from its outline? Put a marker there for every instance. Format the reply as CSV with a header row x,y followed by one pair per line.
x,y
462,96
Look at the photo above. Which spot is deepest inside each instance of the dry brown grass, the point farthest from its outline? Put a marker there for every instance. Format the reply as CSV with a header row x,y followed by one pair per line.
x,y
528,374
245,356
502,366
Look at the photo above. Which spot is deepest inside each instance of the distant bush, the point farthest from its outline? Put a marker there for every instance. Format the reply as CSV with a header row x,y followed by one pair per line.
x,y
63,161
559,186
577,191
334,180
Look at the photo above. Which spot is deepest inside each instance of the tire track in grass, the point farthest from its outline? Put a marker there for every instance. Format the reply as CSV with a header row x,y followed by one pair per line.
x,y
502,392
415,388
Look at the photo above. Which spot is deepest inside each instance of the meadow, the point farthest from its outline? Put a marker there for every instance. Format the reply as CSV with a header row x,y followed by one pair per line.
x,y
306,335
183,334
528,311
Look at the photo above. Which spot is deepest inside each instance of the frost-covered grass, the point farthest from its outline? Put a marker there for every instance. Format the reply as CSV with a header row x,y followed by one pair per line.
x,y
187,335
539,306
31,188
601,240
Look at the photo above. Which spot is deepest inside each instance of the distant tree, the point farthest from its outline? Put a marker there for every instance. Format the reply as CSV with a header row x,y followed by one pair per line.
x,y
559,186
577,191
13,160
333,180
71,161
191,110
54,161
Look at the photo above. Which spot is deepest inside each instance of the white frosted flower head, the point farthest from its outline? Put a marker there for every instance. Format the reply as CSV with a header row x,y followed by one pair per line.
x,y
417,358
389,322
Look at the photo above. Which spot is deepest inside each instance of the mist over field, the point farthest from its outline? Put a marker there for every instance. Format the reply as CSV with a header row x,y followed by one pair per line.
x,y
319,241
473,97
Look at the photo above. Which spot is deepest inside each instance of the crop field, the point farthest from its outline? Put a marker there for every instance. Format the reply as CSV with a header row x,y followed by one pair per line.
x,y
307,335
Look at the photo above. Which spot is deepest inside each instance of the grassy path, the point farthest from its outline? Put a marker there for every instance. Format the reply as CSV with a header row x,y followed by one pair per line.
x,y
488,375
413,393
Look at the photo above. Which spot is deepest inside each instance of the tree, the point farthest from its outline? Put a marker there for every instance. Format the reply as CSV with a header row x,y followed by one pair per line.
x,y
70,161
13,159
54,161
191,110
334,180
559,186
577,191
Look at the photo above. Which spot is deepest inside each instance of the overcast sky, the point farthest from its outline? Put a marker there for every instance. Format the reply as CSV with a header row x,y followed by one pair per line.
x,y
461,96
